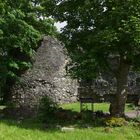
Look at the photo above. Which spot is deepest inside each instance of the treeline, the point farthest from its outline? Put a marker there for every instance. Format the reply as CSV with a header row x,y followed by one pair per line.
x,y
22,25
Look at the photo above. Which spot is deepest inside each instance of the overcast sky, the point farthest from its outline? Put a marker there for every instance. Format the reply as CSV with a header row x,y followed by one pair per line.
x,y
60,25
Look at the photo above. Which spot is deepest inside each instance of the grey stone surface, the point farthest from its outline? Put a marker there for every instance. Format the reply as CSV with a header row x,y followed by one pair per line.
x,y
105,83
103,88
47,77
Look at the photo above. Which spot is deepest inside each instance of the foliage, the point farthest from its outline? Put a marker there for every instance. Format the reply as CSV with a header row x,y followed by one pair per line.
x,y
87,115
22,24
47,109
137,119
115,121
101,36
97,29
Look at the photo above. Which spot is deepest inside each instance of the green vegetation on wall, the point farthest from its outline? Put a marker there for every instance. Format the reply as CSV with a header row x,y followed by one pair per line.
x,y
22,24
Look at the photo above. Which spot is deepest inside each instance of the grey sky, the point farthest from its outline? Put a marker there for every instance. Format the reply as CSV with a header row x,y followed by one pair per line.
x,y
60,25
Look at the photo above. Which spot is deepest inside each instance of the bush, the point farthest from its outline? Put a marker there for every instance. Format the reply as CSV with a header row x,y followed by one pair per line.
x,y
87,115
47,109
115,121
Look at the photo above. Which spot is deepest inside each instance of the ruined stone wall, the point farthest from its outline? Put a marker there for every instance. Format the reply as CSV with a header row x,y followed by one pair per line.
x,y
47,77
103,88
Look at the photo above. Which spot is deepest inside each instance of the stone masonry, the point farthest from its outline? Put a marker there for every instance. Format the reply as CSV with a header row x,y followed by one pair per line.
x,y
47,77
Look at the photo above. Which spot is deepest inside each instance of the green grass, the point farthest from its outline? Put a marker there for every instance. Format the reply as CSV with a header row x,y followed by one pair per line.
x,y
13,130
34,130
97,106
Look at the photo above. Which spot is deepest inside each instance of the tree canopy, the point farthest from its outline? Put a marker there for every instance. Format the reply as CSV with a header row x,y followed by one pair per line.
x,y
96,31
22,23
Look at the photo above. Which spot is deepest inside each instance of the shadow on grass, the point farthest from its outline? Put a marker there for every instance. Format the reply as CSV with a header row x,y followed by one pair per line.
x,y
59,119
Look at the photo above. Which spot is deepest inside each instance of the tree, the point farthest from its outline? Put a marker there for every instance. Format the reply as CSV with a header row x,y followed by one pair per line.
x,y
22,23
96,31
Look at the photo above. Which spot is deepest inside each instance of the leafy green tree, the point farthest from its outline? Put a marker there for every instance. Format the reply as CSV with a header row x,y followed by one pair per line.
x,y
98,31
22,24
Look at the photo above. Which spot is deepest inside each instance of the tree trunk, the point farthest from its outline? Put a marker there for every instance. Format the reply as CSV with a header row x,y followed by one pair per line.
x,y
117,107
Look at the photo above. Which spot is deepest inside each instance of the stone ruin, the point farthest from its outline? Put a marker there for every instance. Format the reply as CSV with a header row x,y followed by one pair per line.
x,y
103,88
46,78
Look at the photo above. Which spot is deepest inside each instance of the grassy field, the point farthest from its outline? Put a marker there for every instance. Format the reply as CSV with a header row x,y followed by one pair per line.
x,y
97,106
34,130
13,130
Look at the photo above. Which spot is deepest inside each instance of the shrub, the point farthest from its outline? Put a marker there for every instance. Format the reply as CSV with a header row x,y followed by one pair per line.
x,y
115,121
87,115
47,109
